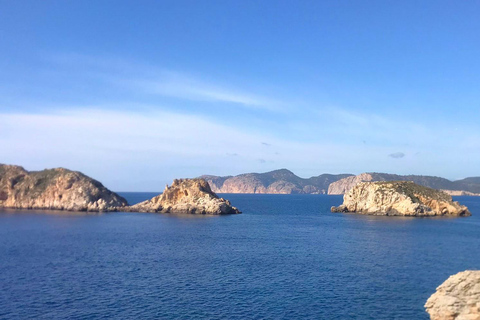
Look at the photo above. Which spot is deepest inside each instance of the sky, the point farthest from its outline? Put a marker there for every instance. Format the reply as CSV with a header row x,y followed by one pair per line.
x,y
137,93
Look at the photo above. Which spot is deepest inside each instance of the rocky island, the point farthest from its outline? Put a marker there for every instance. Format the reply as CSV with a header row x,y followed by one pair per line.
x,y
192,196
458,298
54,189
399,198
63,189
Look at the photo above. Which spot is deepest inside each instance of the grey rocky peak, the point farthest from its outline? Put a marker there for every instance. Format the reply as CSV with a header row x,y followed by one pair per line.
x,y
399,198
458,298
54,189
192,196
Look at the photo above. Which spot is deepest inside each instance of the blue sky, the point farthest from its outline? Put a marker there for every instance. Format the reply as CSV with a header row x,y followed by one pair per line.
x,y
136,93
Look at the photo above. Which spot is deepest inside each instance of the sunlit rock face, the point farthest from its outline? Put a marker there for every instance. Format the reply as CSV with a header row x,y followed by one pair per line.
x,y
399,198
54,189
344,185
458,298
192,196
281,181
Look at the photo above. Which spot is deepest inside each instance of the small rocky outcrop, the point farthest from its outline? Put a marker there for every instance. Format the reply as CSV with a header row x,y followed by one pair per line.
x,y
399,198
458,298
54,189
192,196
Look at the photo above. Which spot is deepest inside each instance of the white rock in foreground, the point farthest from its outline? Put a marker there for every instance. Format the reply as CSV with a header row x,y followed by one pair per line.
x,y
458,298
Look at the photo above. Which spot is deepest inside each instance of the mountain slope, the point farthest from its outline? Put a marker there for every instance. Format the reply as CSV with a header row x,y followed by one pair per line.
x,y
280,181
344,185
284,181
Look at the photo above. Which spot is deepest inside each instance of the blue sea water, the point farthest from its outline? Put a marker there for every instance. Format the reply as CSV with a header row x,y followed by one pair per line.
x,y
285,257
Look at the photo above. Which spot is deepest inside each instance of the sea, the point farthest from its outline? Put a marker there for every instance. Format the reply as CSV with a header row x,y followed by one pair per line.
x,y
284,257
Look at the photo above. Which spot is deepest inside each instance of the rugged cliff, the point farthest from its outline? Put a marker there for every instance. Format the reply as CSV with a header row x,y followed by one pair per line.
x,y
458,298
57,189
469,186
280,181
186,196
399,198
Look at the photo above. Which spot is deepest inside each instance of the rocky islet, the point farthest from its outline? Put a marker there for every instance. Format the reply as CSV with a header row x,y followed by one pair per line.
x,y
190,196
399,198
63,189
54,189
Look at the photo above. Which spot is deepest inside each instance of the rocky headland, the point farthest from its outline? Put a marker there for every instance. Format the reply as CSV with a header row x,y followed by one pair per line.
x,y
192,196
284,181
460,193
281,181
54,189
399,198
458,298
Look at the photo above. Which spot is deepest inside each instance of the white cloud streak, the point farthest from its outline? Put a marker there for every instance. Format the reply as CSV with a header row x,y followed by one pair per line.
x,y
159,81
123,149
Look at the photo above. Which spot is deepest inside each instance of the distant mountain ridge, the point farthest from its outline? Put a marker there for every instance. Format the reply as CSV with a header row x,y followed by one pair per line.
x,y
281,181
467,185
284,181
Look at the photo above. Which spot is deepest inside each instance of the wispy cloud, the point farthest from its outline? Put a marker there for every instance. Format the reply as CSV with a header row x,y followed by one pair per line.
x,y
163,145
397,155
157,80
188,87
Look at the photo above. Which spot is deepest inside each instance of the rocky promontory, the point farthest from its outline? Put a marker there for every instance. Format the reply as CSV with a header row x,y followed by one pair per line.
x,y
280,181
399,198
468,186
192,196
54,189
458,298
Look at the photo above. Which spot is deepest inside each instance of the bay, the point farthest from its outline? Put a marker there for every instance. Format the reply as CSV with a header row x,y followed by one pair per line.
x,y
285,257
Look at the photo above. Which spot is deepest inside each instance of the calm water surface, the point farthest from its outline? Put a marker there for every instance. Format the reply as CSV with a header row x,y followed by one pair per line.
x,y
285,257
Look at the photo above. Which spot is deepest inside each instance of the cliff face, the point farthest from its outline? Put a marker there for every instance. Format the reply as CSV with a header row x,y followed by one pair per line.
x,y
187,196
457,298
274,182
56,189
399,198
342,186
469,186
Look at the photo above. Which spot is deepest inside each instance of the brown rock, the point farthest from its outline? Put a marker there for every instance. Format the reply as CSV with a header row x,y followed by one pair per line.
x,y
187,196
55,189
